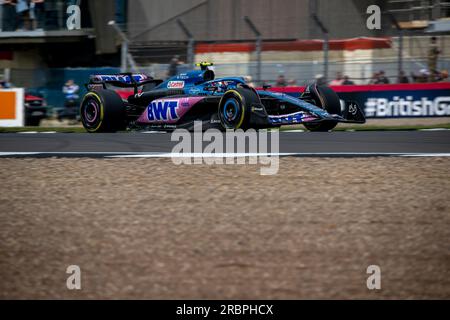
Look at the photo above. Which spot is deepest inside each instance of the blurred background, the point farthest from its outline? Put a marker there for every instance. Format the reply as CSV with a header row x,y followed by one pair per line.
x,y
281,43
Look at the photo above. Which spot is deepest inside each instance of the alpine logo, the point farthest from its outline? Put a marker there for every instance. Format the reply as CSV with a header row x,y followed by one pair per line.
x,y
162,110
175,85
352,108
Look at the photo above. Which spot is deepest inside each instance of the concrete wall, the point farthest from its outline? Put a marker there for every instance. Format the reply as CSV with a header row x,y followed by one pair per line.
x,y
215,20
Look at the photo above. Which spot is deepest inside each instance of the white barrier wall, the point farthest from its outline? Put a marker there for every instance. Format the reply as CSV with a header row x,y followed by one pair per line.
x,y
12,111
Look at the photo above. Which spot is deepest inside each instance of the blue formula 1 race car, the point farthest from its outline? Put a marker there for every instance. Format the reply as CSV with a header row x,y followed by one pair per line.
x,y
225,103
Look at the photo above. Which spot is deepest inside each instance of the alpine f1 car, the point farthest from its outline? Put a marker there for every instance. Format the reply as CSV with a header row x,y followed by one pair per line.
x,y
225,103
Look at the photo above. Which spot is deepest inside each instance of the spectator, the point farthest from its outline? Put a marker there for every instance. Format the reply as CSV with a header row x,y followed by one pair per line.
x,y
433,55
320,80
23,15
71,101
424,76
444,76
375,78
8,15
292,83
173,66
347,81
37,12
266,84
338,81
4,84
382,79
249,81
70,90
281,81
402,77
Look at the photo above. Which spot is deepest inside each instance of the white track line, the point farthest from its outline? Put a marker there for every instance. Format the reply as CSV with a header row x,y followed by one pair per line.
x,y
202,155
36,132
221,155
153,132
427,155
434,129
238,155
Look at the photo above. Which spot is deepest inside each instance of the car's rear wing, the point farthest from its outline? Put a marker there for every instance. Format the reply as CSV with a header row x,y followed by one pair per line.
x,y
121,80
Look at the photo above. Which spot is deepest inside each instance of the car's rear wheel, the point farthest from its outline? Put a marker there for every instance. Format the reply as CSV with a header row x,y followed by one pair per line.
x,y
235,108
325,98
102,111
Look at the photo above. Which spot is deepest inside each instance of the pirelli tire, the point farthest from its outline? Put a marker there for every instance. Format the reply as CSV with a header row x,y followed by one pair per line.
x,y
102,111
235,108
327,99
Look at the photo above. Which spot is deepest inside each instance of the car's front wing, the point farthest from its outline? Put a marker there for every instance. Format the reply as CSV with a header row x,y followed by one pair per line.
x,y
351,113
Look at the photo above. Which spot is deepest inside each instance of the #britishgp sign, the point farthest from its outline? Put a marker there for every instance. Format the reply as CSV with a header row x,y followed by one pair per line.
x,y
396,100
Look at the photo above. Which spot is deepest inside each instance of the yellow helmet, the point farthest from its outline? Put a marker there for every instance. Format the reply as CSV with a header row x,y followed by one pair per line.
x,y
204,65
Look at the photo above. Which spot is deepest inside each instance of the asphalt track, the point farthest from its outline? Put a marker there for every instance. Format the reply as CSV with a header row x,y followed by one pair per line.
x,y
380,143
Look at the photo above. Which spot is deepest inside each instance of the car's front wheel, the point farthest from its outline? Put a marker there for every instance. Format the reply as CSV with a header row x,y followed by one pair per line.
x,y
235,108
325,98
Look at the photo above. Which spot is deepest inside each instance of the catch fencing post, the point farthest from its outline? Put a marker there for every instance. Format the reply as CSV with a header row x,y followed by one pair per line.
x,y
258,48
326,45
400,42
125,56
191,43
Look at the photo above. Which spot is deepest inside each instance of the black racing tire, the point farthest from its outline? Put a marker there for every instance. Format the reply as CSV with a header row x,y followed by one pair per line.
x,y
327,99
102,111
235,108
